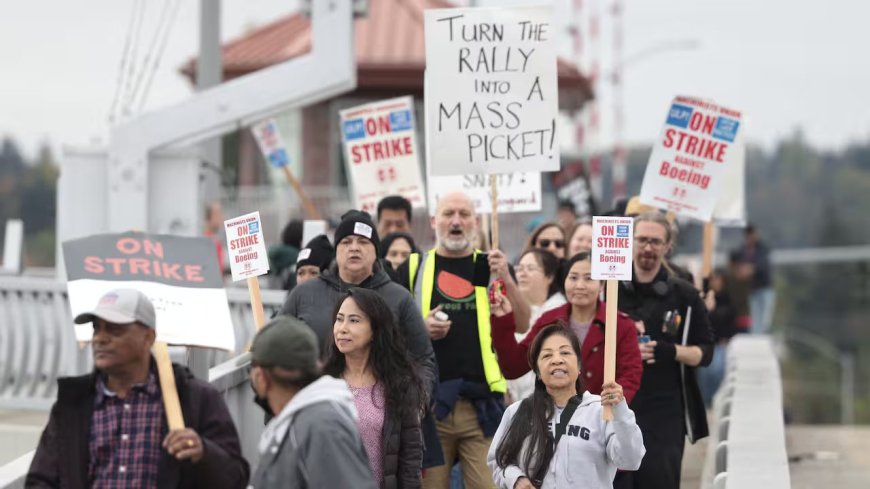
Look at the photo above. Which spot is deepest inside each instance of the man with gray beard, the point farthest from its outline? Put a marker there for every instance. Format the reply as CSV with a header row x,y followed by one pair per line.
x,y
450,284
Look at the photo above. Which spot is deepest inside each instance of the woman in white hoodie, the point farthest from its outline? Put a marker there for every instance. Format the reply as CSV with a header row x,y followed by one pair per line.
x,y
557,438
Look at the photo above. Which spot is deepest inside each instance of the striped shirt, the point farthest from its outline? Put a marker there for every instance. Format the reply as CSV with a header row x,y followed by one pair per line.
x,y
125,437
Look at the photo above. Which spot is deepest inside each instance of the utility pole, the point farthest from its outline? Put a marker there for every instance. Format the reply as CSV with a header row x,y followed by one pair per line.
x,y
209,72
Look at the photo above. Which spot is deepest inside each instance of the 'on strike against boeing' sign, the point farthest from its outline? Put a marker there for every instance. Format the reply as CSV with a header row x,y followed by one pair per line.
x,y
380,145
491,95
697,148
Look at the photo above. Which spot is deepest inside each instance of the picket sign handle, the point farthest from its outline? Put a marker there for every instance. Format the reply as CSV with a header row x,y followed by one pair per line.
x,y
168,390
610,340
707,257
310,210
256,302
493,185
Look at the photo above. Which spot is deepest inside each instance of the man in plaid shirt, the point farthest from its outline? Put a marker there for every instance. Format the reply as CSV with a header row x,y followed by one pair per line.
x,y
108,429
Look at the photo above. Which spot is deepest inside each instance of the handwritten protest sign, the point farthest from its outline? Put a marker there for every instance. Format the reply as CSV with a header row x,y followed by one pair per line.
x,y
517,192
380,145
491,99
572,185
612,241
179,275
687,166
246,247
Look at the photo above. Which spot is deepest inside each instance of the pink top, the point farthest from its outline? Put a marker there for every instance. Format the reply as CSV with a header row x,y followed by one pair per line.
x,y
371,406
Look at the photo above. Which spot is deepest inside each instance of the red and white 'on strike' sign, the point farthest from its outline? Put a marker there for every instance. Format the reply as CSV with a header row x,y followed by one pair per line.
x,y
246,246
612,241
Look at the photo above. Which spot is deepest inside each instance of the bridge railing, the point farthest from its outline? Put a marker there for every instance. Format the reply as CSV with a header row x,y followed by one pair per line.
x,y
746,449
37,341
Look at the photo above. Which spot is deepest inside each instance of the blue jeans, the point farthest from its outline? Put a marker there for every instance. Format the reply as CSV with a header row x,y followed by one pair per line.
x,y
761,305
456,481
710,377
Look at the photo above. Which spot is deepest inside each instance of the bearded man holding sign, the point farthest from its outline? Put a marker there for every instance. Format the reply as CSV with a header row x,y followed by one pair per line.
x,y
672,317
108,428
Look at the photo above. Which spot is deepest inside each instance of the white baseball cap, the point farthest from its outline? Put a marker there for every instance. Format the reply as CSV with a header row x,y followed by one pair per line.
x,y
122,306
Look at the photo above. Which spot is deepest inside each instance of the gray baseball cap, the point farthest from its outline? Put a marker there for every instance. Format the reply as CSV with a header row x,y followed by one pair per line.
x,y
285,342
122,306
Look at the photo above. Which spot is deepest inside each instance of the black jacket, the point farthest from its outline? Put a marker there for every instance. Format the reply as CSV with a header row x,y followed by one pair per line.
x,y
61,459
403,452
652,404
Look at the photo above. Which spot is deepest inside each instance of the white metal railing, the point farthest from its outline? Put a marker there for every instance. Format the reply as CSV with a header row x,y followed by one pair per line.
x,y
746,449
37,342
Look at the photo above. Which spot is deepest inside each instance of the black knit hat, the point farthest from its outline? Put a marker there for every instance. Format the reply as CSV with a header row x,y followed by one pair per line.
x,y
318,252
357,223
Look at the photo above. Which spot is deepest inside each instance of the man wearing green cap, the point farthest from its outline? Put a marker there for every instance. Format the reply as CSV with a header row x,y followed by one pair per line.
x,y
312,440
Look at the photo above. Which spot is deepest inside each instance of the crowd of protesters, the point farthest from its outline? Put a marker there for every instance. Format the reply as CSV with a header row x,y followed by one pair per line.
x,y
393,366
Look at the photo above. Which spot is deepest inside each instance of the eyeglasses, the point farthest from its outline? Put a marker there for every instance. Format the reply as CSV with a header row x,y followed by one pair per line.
x,y
545,243
526,268
654,242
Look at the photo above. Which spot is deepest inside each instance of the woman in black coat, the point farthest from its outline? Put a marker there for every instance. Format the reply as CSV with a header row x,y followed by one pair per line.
x,y
368,352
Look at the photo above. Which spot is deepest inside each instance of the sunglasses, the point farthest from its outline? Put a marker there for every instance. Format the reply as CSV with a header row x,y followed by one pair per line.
x,y
545,243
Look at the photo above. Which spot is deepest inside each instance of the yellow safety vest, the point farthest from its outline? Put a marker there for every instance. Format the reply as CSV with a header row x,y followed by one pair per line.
x,y
423,293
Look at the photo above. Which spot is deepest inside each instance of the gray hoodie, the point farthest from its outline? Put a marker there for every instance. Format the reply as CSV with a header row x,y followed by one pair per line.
x,y
589,453
314,442
314,301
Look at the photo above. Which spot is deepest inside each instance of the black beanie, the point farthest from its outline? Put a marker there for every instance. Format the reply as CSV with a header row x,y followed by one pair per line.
x,y
318,252
357,223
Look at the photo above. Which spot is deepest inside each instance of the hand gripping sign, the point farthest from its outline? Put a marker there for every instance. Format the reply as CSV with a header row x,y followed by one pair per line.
x,y
612,242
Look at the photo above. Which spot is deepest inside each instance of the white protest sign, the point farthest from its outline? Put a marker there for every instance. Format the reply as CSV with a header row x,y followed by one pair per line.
x,y
269,140
731,207
246,247
687,167
612,241
517,192
380,147
179,275
312,228
492,99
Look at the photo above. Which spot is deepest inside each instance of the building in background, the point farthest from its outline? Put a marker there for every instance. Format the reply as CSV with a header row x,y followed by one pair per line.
x,y
391,59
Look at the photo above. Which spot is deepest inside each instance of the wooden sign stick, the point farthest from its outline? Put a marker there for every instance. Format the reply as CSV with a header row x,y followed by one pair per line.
x,y
493,186
168,390
610,340
707,253
307,204
256,302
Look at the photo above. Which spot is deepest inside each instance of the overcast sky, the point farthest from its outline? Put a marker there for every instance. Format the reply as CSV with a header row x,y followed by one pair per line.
x,y
784,63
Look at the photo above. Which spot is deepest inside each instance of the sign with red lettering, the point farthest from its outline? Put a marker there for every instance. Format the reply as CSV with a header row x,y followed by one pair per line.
x,y
247,250
492,94
612,241
380,147
688,164
180,276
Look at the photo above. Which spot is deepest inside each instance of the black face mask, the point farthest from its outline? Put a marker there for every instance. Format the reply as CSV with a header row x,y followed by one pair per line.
x,y
263,403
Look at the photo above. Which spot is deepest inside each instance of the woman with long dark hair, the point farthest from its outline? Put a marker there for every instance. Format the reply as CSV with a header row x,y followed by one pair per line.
x,y
557,438
584,314
388,387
